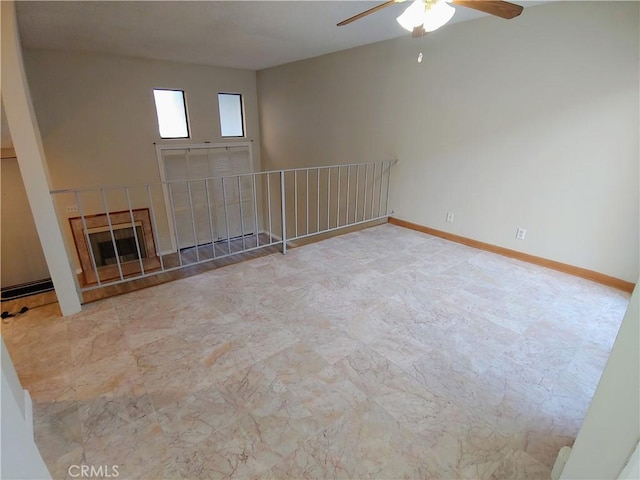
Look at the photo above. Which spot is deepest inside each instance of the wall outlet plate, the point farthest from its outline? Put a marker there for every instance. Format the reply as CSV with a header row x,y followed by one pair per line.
x,y
521,233
450,217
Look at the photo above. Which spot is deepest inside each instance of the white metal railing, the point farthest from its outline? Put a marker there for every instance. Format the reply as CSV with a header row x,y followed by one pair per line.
x,y
123,233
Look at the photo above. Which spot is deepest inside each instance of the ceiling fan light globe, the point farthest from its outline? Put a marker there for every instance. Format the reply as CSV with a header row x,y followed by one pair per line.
x,y
413,16
438,15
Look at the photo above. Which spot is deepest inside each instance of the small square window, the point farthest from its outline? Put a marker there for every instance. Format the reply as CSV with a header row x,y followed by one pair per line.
x,y
231,119
171,109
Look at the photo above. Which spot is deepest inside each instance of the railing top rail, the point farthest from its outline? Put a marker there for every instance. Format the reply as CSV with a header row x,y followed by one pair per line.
x,y
264,172
392,162
203,146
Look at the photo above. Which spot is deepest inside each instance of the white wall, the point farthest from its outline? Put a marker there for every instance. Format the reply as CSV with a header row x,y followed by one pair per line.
x,y
611,428
531,122
98,120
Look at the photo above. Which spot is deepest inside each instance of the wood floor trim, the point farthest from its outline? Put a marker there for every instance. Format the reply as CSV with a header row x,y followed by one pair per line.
x,y
8,152
525,257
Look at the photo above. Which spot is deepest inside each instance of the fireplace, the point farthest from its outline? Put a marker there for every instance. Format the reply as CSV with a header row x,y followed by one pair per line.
x,y
125,244
108,247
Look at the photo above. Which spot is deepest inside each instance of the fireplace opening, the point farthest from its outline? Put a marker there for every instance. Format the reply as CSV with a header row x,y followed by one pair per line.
x,y
103,249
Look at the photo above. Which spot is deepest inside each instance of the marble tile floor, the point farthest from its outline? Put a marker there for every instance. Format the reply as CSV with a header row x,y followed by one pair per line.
x,y
383,353
170,260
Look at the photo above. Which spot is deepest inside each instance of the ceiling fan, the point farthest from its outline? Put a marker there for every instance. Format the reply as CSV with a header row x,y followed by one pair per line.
x,y
424,16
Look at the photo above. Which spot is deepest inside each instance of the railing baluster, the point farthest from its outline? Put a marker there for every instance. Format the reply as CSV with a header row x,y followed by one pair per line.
x,y
175,224
193,222
154,228
283,213
318,203
364,200
213,223
256,228
113,238
346,214
388,185
373,186
87,239
295,201
213,239
216,219
226,215
338,200
328,196
135,230
244,246
355,208
269,202
380,194
307,195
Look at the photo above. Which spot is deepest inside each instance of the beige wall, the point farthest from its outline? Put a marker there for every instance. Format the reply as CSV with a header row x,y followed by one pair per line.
x,y
5,135
531,122
29,149
22,257
98,121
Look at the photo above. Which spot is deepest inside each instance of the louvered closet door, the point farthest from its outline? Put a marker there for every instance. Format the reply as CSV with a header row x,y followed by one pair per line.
x,y
177,173
199,206
238,217
199,171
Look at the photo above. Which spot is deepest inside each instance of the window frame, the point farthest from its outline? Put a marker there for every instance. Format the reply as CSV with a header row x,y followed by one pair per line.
x,y
242,116
186,112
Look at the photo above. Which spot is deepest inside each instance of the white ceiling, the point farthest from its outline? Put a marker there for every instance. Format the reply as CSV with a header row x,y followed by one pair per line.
x,y
241,34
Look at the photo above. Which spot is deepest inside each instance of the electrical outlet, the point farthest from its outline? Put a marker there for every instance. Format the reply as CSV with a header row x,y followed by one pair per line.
x,y
72,209
521,233
450,217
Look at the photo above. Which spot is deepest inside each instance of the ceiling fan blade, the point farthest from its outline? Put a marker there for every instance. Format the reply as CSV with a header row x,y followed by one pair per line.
x,y
368,12
500,9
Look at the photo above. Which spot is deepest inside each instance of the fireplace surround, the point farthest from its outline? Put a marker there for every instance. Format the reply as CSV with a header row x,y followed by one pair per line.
x,y
95,236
